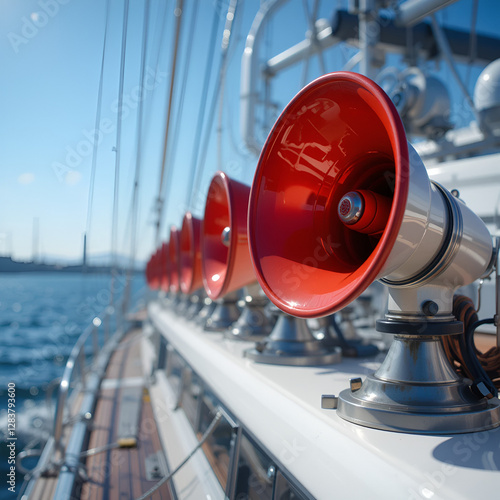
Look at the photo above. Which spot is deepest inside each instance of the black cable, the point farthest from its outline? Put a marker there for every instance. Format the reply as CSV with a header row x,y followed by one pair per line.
x,y
472,360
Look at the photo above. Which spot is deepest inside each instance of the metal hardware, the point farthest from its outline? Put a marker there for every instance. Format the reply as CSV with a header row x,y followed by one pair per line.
x,y
355,384
130,410
448,250
329,402
155,466
413,11
291,342
271,471
351,208
416,390
208,307
226,236
347,338
226,312
430,308
482,390
254,323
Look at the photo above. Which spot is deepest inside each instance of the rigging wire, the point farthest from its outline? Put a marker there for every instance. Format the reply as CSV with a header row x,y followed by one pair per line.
x,y
222,91
196,171
180,107
162,17
95,145
117,149
201,114
114,227
138,160
160,199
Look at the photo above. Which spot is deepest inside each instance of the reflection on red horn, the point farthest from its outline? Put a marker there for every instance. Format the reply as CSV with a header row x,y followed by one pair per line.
x,y
226,264
152,271
149,272
329,195
173,264
190,264
341,199
162,266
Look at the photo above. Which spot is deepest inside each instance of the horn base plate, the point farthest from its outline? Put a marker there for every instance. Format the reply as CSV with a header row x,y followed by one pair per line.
x,y
291,342
415,390
226,312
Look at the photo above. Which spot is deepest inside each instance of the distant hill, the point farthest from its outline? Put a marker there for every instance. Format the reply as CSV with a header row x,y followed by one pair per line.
x,y
97,265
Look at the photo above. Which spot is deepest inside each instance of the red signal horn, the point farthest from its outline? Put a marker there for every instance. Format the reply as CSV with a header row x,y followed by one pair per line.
x,y
190,260
148,272
339,136
173,263
340,199
152,271
163,267
226,264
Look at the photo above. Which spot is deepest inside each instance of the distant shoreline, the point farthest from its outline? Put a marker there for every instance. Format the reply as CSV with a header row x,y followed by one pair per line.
x,y
7,265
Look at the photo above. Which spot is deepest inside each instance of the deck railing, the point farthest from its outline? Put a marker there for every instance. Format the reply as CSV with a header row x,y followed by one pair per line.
x,y
76,364
83,372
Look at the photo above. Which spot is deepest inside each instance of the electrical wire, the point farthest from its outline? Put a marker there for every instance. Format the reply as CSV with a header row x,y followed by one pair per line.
x,y
462,353
489,361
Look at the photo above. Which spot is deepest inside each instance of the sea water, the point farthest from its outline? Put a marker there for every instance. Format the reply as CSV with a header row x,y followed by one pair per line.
x,y
41,317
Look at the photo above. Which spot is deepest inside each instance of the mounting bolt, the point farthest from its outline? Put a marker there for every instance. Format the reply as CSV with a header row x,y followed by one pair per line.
x,y
430,308
329,402
455,193
481,390
356,384
271,471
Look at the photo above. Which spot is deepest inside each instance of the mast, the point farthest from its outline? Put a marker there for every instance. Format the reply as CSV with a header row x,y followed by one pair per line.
x,y
36,237
84,258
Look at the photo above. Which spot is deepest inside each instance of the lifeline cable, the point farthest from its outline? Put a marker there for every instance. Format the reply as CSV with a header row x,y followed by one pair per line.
x,y
205,436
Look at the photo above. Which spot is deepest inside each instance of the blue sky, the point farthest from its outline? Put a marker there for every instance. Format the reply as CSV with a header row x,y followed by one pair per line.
x,y
50,52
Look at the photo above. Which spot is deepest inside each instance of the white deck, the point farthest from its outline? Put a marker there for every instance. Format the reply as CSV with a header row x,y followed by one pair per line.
x,y
331,457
